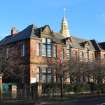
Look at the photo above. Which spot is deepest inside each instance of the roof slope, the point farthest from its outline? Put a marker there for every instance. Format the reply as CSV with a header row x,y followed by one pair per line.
x,y
102,45
76,43
31,31
95,44
24,34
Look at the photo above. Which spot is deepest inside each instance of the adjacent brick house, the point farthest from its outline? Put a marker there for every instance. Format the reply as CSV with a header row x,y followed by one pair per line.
x,y
28,56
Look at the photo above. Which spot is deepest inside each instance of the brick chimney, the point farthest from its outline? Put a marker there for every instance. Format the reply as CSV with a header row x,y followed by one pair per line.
x,y
13,31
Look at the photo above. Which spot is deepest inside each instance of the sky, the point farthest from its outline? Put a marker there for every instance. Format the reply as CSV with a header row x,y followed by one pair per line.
x,y
86,18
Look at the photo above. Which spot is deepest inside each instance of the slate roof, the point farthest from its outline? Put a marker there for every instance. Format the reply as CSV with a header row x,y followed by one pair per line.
x,y
57,37
22,35
31,31
96,45
77,43
102,45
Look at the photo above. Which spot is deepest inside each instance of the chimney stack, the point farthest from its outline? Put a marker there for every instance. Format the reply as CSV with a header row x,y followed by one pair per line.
x,y
13,31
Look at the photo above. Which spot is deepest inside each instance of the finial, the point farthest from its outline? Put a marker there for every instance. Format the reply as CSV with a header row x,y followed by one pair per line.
x,y
64,12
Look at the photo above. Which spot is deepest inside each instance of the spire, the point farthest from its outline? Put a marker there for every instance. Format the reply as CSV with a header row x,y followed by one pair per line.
x,y
64,26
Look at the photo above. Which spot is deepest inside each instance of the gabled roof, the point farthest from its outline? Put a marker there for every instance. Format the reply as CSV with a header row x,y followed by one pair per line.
x,y
102,45
32,32
29,32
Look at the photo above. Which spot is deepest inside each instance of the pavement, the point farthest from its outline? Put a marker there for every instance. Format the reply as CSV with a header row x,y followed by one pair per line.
x,y
17,102
83,100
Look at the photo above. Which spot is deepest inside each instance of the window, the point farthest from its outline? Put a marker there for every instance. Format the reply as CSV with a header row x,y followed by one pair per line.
x,y
49,50
54,51
45,47
43,50
68,51
81,55
48,41
63,54
43,40
46,75
49,75
75,55
23,50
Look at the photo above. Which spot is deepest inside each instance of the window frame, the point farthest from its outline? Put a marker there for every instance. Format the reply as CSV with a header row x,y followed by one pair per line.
x,y
44,76
23,50
47,51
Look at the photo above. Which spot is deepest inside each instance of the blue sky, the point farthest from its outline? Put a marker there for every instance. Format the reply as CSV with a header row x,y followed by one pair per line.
x,y
86,17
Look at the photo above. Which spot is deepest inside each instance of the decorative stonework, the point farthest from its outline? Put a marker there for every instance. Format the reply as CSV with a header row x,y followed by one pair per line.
x,y
65,28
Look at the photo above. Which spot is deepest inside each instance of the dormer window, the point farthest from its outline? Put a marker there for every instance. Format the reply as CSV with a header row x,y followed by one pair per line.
x,y
87,46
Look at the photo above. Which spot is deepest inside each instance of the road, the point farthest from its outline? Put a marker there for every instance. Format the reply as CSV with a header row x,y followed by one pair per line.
x,y
95,100
90,100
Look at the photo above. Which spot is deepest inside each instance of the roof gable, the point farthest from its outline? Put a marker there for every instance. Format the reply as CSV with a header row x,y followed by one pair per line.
x,y
46,30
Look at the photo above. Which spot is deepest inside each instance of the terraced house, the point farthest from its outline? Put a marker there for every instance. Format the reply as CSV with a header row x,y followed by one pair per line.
x,y
29,56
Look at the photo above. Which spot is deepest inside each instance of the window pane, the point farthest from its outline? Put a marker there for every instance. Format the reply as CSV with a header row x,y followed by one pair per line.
x,y
43,69
43,50
49,50
43,40
37,77
68,51
49,78
48,41
43,78
49,70
23,49
43,74
62,54
54,51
